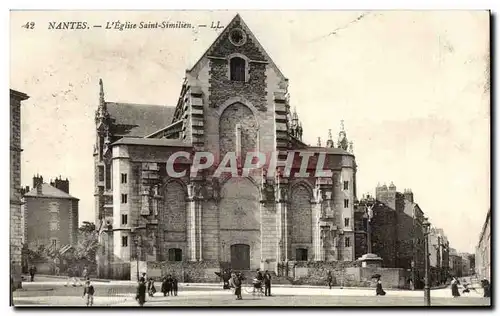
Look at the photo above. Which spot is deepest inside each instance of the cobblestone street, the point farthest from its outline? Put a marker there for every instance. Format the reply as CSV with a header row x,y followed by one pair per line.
x,y
122,294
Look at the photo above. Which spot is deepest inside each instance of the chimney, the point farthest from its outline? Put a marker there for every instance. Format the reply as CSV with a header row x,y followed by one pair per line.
x,y
37,180
61,184
25,190
408,195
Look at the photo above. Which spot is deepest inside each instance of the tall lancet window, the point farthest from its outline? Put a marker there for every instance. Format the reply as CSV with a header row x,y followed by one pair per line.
x,y
237,68
237,131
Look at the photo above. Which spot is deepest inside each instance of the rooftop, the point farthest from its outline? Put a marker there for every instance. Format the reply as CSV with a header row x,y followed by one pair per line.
x,y
151,142
49,191
139,120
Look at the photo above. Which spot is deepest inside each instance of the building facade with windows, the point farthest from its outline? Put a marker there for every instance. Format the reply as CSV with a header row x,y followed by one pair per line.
x,y
16,230
483,250
50,214
396,230
233,100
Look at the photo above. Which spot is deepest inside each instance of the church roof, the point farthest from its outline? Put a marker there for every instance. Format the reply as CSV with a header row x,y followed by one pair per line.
x,y
151,142
139,120
49,191
334,151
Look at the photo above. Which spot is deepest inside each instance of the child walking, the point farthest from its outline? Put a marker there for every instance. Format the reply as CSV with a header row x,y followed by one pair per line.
x,y
88,293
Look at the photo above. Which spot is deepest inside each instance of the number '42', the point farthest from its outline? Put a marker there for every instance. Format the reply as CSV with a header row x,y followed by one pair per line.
x,y
29,25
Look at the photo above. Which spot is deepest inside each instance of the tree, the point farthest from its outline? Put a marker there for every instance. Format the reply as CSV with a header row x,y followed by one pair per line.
x,y
88,244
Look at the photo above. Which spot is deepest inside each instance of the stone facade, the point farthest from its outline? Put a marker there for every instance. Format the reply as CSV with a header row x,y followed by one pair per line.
x,y
51,215
16,228
483,250
396,230
196,223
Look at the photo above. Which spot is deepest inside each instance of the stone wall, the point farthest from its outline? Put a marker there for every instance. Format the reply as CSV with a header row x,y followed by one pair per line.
x,y
16,230
347,274
315,272
185,271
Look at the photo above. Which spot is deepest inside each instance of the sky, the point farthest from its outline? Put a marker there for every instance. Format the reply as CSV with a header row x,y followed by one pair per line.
x,y
411,87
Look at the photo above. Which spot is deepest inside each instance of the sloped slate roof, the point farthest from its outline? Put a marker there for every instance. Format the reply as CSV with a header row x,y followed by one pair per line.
x,y
49,191
139,120
337,151
151,142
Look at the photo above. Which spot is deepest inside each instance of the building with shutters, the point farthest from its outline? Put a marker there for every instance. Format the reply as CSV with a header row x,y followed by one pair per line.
x,y
50,214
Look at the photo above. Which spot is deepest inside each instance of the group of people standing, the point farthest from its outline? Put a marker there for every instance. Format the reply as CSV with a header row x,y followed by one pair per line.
x,y
455,282
169,287
236,281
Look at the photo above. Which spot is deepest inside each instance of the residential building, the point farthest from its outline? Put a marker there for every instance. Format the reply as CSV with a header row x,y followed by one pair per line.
x,y
16,230
483,250
51,214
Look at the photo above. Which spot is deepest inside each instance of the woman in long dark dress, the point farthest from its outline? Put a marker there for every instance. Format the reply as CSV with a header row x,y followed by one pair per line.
x,y
164,287
141,292
151,287
379,290
486,288
454,287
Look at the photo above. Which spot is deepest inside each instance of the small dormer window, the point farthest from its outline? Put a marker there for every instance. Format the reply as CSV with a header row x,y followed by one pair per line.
x,y
237,68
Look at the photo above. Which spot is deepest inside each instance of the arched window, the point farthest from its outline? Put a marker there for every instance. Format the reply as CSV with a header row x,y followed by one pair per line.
x,y
237,67
175,254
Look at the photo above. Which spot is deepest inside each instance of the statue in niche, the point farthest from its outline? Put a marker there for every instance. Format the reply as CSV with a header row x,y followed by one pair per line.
x,y
216,188
283,193
190,189
318,194
323,211
156,190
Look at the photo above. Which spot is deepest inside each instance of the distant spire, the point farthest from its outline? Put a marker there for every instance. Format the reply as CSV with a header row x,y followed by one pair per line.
x,y
102,110
319,141
295,115
101,93
342,125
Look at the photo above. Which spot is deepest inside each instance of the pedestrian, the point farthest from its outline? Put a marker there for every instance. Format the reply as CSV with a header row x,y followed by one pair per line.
x,y
466,286
236,284
329,278
175,285
379,290
85,273
164,286
225,278
88,293
454,287
267,283
486,288
141,292
32,273
170,287
151,287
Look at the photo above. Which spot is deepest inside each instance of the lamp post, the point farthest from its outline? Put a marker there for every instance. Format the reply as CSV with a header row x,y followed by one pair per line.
x,y
427,289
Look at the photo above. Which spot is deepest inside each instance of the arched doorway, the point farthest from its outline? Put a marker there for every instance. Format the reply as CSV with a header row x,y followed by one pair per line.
x,y
240,257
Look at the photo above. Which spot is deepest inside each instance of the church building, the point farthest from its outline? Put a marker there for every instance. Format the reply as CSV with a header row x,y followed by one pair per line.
x,y
234,99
